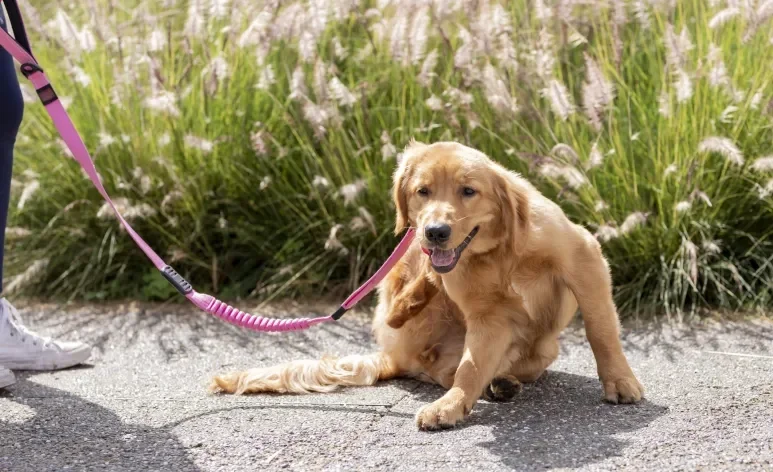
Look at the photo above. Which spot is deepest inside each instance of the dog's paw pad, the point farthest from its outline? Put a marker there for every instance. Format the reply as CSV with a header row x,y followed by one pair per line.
x,y
502,389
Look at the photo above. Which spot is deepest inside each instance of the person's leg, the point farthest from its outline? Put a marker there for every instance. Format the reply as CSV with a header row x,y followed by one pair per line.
x,y
12,107
21,348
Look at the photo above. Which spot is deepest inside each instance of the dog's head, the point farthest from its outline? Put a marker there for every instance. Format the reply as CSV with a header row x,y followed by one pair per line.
x,y
459,201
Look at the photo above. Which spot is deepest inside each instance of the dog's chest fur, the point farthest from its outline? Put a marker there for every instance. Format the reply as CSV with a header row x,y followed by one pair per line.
x,y
533,279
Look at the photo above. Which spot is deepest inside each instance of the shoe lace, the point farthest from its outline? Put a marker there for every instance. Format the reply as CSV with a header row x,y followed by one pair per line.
x,y
17,327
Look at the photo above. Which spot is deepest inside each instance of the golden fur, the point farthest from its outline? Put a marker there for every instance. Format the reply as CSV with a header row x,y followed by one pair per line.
x,y
496,315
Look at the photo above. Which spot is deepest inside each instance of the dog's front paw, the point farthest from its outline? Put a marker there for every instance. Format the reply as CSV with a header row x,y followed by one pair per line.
x,y
623,390
443,413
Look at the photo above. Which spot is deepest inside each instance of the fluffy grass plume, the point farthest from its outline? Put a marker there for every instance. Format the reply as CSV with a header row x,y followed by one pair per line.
x,y
252,142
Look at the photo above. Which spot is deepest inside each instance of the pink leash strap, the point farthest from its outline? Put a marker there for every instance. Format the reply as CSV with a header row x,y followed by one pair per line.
x,y
32,71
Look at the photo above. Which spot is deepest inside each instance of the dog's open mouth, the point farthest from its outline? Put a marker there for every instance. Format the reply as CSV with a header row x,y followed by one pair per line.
x,y
444,260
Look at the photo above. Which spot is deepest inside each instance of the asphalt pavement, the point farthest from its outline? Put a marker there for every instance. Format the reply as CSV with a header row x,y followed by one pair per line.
x,y
141,403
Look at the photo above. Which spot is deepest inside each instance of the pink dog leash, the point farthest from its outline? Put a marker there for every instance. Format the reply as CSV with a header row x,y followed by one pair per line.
x,y
30,68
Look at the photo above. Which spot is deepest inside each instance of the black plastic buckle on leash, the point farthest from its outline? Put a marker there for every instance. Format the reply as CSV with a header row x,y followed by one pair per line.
x,y
177,280
46,93
339,313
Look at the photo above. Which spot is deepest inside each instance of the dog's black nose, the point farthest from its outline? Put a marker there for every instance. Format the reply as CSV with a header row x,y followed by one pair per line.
x,y
437,233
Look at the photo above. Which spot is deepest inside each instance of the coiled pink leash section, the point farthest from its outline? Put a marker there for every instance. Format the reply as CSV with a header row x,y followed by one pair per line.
x,y
30,68
242,319
234,316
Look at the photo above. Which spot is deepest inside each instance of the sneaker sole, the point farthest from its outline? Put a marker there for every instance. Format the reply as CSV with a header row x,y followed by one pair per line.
x,y
65,360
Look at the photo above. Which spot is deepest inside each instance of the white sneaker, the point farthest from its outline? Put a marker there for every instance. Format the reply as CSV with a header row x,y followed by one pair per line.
x,y
22,349
6,377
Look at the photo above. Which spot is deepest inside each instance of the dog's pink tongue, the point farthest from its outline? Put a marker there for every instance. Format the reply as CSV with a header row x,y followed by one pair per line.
x,y
442,257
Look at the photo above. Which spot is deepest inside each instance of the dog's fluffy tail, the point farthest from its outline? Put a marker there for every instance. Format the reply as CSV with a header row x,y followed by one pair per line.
x,y
307,376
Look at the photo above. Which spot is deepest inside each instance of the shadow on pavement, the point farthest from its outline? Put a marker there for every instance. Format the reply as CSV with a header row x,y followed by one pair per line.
x,y
557,422
179,330
70,433
672,339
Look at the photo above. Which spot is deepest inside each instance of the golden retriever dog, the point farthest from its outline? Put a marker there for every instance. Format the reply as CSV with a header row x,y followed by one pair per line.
x,y
477,304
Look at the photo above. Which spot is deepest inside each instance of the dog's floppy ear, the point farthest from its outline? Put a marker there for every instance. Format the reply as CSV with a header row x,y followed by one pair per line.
x,y
399,186
514,204
400,198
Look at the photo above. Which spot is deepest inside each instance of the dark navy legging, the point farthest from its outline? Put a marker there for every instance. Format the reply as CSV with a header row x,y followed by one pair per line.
x,y
11,110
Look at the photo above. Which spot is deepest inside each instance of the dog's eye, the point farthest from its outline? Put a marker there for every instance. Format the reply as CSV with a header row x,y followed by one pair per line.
x,y
424,191
468,191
